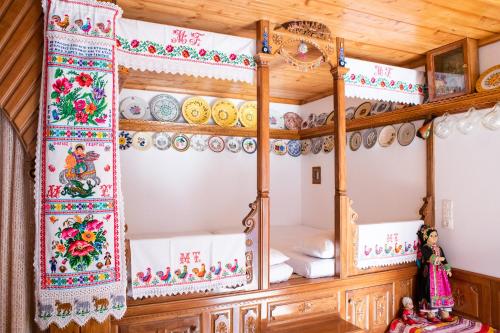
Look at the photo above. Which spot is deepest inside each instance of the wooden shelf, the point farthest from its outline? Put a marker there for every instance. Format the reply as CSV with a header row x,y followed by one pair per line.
x,y
454,105
157,126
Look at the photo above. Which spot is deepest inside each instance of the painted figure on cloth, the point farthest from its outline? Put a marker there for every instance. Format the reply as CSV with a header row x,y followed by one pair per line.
x,y
434,291
107,259
76,160
53,264
79,174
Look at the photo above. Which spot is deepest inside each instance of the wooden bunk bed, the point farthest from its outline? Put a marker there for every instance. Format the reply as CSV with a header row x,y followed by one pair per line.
x,y
353,300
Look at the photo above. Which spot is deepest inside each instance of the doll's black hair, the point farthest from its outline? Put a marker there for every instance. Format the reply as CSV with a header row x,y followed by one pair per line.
x,y
428,232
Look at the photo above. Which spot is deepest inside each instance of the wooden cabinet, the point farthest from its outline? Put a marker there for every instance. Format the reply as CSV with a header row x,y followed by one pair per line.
x,y
370,308
452,70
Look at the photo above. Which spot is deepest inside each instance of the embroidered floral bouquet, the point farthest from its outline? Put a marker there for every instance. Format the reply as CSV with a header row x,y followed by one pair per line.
x,y
81,242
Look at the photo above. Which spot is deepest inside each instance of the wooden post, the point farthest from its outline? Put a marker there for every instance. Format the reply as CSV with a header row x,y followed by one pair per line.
x,y
430,194
341,199
262,60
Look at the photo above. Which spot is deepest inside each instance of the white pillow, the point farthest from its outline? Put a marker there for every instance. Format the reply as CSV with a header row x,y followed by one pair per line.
x,y
280,273
319,246
276,257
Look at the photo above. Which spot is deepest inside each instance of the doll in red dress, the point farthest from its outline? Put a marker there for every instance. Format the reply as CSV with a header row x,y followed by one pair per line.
x,y
408,314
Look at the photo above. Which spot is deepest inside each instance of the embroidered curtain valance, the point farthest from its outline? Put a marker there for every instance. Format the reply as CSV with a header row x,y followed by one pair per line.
x,y
370,80
162,48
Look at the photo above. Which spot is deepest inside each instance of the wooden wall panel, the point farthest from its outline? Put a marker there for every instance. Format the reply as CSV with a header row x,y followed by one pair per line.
x,y
20,69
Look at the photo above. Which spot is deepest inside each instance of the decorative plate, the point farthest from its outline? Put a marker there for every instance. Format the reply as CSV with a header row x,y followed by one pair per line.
x,y
305,146
216,144
355,141
349,113
406,134
312,119
133,107
328,144
199,142
329,119
279,147
224,113
489,79
363,110
142,141
292,121
317,145
321,119
387,136
249,145
233,144
162,141
380,107
248,114
276,120
370,138
196,110
180,142
124,140
164,107
294,148
305,124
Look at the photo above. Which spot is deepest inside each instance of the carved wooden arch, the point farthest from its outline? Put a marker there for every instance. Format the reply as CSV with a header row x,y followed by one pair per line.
x,y
280,38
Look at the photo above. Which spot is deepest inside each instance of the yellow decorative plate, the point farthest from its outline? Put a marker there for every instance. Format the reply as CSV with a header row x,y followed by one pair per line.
x,y
196,110
248,114
490,79
224,113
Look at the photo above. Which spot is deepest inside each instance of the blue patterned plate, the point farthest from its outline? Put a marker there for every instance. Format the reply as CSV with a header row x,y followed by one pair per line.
x,y
249,145
294,148
164,107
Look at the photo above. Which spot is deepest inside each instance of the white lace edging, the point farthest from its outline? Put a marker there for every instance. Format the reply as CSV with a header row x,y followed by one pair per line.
x,y
363,264
153,291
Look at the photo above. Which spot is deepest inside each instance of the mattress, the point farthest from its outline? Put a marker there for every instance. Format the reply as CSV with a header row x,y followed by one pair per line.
x,y
284,239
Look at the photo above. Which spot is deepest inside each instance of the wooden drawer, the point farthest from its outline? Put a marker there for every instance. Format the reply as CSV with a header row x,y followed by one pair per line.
x,y
290,310
174,325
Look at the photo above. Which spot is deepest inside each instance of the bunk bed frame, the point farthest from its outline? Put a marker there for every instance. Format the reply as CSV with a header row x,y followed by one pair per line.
x,y
367,298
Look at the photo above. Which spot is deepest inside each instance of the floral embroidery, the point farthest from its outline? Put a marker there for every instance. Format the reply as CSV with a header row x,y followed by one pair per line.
x,y
184,52
79,98
81,241
383,83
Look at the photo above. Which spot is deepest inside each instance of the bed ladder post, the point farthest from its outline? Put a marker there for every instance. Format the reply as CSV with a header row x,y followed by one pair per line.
x,y
262,59
341,200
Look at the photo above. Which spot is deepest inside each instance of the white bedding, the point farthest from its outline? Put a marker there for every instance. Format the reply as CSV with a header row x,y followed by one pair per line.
x,y
286,238
280,273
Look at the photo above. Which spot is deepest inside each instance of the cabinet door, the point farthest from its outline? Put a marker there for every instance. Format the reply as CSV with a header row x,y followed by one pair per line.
x,y
380,308
358,307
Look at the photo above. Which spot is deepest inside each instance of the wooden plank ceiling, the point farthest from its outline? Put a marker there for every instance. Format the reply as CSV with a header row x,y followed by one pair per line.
x,y
396,32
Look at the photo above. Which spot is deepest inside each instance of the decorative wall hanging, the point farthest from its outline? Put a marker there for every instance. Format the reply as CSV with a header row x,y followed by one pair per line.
x,y
385,244
79,257
370,80
162,48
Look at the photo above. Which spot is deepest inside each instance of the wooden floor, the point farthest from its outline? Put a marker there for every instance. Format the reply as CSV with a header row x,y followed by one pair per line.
x,y
325,325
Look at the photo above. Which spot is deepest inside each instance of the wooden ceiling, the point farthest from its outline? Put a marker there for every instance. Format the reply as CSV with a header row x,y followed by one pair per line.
x,y
396,32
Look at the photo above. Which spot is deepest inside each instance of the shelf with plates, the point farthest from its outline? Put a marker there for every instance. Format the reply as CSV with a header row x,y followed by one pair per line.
x,y
480,100
158,126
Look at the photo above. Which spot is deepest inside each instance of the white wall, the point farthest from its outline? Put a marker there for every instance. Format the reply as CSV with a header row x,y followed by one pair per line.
x,y
386,184
170,191
468,173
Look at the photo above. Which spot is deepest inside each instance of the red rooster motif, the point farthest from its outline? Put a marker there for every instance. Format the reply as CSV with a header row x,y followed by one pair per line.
x,y
105,29
146,278
165,277
233,267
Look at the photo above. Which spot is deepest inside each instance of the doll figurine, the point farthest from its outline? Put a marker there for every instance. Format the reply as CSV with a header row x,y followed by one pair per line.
x,y
434,288
408,314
